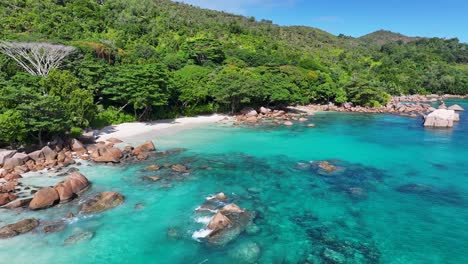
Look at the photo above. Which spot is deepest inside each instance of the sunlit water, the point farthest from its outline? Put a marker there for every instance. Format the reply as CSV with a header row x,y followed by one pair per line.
x,y
303,215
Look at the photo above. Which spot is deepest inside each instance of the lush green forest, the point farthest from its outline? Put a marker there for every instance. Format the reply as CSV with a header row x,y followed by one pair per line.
x,y
148,59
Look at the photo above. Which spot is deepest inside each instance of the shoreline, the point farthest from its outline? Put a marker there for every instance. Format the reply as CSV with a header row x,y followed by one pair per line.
x,y
130,133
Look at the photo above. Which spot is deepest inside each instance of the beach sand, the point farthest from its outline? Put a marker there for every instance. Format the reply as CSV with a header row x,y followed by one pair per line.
x,y
137,132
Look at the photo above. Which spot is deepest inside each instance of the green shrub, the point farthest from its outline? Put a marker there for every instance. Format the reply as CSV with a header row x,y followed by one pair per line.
x,y
76,132
111,116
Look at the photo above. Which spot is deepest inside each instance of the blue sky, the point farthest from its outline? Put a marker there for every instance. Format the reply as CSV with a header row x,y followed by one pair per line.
x,y
430,18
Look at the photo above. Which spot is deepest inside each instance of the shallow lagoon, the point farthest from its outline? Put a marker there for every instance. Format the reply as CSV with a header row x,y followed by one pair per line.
x,y
399,196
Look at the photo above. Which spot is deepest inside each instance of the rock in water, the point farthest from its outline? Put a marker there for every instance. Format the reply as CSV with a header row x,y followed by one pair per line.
x,y
333,256
44,198
79,237
219,222
18,228
152,168
179,168
456,108
145,147
74,185
6,198
220,196
440,118
102,202
247,252
231,209
326,166
53,226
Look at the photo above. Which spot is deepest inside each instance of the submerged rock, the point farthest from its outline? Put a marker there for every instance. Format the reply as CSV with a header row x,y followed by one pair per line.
x,y
152,168
179,168
247,252
153,178
79,237
326,166
139,206
18,228
173,233
102,202
53,226
414,188
333,257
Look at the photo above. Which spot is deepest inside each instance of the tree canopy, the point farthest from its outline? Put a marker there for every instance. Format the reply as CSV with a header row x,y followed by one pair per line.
x,y
147,59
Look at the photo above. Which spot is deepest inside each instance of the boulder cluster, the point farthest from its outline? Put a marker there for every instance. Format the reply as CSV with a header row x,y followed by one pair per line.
x,y
62,192
54,157
49,196
251,116
426,98
228,221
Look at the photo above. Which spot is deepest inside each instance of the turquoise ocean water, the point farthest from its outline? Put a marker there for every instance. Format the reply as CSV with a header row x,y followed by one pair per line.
x,y
399,196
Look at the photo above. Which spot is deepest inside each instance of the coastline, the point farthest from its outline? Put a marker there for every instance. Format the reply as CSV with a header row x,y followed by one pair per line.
x,y
131,133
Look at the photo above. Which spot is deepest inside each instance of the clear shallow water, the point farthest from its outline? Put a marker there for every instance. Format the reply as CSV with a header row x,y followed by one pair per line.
x,y
301,212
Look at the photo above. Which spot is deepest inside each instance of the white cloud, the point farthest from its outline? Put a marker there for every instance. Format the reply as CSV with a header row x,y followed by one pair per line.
x,y
238,6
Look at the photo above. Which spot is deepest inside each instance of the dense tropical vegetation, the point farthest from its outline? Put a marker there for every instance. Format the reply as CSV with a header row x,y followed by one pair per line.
x,y
147,59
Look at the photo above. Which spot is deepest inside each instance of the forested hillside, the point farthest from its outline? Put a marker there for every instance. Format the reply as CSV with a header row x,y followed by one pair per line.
x,y
147,59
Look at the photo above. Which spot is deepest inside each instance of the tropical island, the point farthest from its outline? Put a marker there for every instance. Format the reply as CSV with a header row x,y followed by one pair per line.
x,y
109,107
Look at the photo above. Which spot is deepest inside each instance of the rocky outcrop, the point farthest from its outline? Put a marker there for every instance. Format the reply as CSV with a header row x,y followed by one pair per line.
x,y
114,140
77,146
228,221
456,107
249,112
231,209
106,153
37,156
440,118
6,154
102,202
141,152
18,228
49,154
18,159
6,198
44,198
219,222
73,186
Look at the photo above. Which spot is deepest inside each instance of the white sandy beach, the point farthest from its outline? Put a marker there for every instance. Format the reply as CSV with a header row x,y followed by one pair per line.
x,y
128,132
